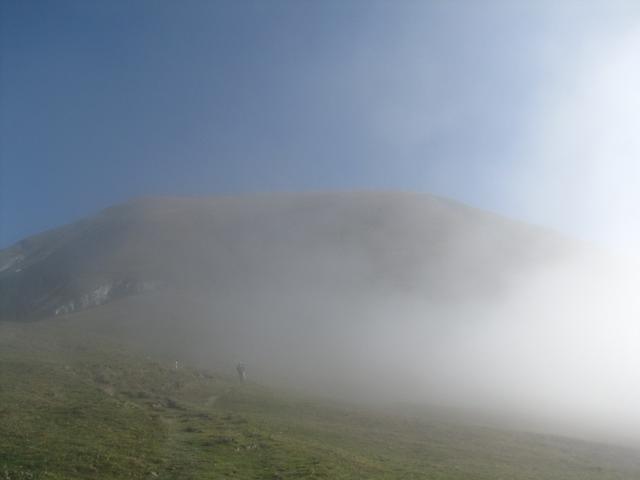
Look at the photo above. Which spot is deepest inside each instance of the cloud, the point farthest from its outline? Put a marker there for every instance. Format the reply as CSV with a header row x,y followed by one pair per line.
x,y
580,147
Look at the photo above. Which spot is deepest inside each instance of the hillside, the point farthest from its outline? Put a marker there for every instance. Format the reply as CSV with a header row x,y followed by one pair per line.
x,y
76,405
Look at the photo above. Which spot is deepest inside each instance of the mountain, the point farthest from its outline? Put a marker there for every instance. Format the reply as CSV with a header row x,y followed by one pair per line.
x,y
374,297
339,244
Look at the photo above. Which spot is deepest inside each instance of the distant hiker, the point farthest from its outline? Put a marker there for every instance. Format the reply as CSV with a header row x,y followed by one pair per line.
x,y
241,368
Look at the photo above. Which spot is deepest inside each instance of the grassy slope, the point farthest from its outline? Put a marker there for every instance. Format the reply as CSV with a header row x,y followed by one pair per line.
x,y
75,406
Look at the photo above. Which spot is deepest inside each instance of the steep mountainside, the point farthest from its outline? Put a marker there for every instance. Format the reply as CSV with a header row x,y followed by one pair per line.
x,y
344,244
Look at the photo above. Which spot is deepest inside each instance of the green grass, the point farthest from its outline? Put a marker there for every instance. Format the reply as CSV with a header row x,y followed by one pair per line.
x,y
77,406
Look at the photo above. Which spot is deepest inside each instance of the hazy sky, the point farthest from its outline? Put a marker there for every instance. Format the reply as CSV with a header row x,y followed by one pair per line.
x,y
528,108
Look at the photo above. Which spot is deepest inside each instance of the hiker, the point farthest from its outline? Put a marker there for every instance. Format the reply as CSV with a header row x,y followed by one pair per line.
x,y
242,371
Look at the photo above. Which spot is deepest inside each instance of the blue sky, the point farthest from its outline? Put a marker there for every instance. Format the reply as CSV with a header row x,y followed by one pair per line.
x,y
483,102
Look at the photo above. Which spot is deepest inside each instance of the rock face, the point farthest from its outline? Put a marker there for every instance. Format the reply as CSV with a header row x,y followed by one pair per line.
x,y
105,293
338,243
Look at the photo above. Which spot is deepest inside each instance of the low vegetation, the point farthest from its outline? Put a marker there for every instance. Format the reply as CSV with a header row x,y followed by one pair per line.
x,y
77,406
